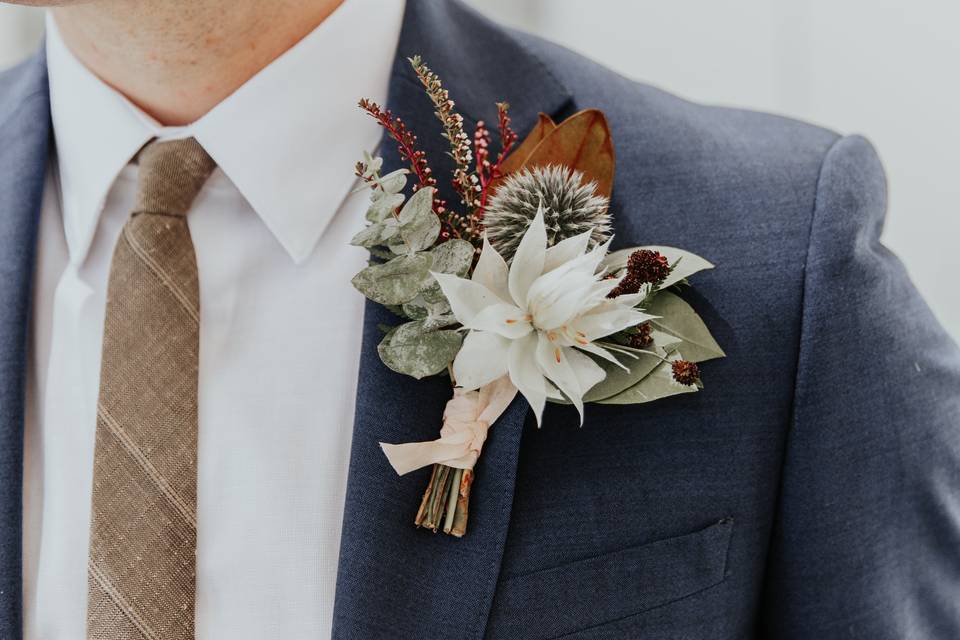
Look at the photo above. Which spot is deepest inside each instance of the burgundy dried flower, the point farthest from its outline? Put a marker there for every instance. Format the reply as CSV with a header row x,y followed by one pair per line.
x,y
642,338
643,266
686,372
646,265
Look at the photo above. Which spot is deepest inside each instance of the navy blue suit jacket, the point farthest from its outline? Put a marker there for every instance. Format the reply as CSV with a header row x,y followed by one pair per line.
x,y
812,491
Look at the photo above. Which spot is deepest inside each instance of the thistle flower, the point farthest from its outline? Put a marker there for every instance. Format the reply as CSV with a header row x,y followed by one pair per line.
x,y
571,207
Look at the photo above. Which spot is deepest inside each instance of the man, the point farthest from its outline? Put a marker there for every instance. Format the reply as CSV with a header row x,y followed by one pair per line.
x,y
173,455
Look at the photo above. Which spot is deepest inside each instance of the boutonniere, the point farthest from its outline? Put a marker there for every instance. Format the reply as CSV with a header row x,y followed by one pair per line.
x,y
514,289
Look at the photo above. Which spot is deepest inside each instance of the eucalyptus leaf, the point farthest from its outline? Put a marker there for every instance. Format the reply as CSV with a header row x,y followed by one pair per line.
x,y
384,205
419,225
658,384
687,263
439,321
393,182
415,310
452,256
369,236
677,318
394,282
417,352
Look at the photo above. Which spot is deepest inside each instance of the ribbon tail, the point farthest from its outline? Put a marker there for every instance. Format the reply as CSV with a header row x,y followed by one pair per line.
x,y
411,456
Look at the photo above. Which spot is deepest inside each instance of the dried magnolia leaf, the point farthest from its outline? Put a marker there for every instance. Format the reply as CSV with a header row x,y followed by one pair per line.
x,y
516,159
583,143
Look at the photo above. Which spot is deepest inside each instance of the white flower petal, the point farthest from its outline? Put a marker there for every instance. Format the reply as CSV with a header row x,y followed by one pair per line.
x,y
466,297
555,365
588,372
527,263
561,305
525,374
606,319
566,250
503,319
600,352
491,271
482,358
596,255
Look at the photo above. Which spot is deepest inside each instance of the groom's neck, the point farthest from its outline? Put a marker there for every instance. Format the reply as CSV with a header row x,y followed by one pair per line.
x,y
176,59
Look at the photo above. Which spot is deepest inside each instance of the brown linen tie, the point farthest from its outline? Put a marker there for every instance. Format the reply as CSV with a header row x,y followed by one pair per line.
x,y
141,571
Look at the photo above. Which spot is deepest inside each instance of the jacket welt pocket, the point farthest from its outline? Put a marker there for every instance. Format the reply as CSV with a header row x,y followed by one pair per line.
x,y
587,593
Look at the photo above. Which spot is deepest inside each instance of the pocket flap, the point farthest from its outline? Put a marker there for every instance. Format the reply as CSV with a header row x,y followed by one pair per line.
x,y
585,593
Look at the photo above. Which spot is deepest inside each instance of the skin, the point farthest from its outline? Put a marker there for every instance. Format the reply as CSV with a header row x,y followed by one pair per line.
x,y
177,59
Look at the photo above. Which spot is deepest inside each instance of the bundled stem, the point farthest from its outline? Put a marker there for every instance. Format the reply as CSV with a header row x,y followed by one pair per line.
x,y
446,501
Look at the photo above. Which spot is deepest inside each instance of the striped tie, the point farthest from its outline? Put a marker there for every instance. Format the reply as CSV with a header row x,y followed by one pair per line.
x,y
143,531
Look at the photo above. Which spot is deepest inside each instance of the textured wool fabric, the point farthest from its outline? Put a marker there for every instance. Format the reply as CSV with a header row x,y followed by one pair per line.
x,y
810,492
143,530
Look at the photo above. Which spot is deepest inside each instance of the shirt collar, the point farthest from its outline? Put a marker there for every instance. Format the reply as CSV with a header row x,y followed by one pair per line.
x,y
287,138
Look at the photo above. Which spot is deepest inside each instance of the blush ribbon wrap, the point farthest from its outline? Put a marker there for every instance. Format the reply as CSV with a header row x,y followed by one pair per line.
x,y
466,420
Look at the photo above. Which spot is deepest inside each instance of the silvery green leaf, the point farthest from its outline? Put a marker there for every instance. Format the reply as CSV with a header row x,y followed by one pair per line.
x,y
376,234
419,225
658,384
677,318
687,263
415,309
414,351
439,321
393,182
393,282
453,256
383,205
369,236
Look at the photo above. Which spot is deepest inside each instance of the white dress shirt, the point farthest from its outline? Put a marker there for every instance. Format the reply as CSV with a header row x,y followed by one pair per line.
x,y
279,333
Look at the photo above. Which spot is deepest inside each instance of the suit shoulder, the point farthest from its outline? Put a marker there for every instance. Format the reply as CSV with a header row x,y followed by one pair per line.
x,y
22,83
654,128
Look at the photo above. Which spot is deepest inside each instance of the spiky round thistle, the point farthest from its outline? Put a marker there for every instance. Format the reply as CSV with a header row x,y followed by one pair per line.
x,y
571,206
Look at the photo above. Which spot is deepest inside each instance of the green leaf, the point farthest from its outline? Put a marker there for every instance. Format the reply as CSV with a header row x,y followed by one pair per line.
x,y
617,379
677,318
453,256
419,225
375,234
658,384
417,352
687,263
383,206
394,282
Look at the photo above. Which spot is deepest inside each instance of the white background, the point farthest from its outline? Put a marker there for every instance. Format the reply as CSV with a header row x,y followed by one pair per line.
x,y
888,69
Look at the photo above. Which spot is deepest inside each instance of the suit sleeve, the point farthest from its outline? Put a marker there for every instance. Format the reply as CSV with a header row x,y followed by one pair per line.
x,y
866,542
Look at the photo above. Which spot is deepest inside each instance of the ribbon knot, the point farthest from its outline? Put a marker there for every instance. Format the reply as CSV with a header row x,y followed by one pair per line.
x,y
466,420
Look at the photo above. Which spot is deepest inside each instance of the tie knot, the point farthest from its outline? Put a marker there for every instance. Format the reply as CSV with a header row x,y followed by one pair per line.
x,y
172,172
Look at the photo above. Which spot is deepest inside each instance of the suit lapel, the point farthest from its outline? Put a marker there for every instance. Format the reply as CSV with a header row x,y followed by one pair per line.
x,y
24,140
395,580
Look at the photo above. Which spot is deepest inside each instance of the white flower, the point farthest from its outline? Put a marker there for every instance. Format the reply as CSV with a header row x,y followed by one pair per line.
x,y
537,320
